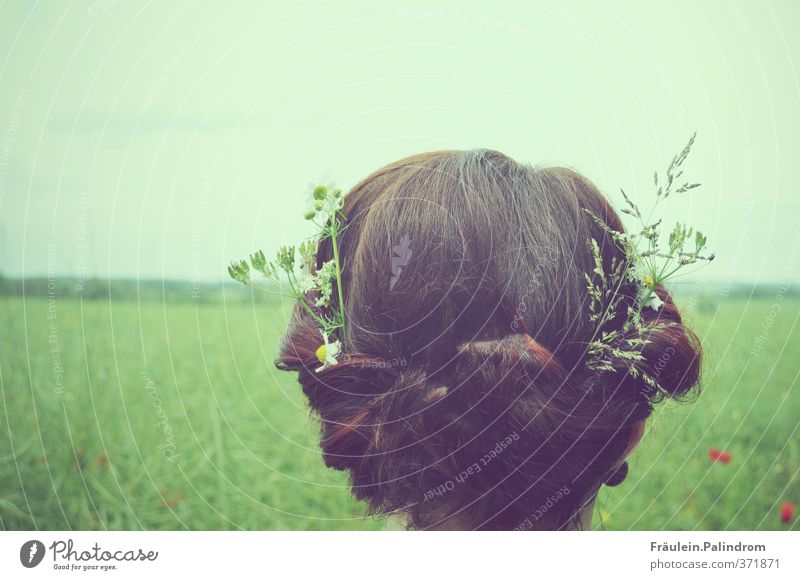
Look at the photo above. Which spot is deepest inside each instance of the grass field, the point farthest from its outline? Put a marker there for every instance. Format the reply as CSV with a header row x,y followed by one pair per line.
x,y
116,415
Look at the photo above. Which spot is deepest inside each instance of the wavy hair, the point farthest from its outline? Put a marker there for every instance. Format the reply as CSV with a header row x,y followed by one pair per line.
x,y
468,267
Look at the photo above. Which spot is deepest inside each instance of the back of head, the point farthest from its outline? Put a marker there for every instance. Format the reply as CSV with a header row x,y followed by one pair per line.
x,y
463,397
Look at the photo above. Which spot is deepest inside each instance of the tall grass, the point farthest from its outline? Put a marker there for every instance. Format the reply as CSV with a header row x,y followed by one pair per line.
x,y
172,416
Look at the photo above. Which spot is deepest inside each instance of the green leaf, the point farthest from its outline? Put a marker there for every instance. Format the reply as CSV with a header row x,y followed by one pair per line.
x,y
240,271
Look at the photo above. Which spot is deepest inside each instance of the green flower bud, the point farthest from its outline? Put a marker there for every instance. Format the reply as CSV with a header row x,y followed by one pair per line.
x,y
320,192
310,214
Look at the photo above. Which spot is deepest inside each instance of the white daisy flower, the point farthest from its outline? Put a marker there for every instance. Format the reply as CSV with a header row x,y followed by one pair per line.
x,y
306,283
655,302
323,283
327,352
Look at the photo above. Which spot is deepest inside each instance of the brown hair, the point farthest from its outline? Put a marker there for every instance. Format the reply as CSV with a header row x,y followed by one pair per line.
x,y
462,397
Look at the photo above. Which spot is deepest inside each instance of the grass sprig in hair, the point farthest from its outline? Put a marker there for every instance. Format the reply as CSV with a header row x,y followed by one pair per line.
x,y
651,259
310,287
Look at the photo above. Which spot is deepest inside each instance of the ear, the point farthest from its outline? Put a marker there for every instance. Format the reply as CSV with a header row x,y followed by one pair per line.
x,y
636,435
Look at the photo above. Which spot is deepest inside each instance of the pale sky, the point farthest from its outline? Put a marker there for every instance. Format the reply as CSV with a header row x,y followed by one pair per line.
x,y
159,139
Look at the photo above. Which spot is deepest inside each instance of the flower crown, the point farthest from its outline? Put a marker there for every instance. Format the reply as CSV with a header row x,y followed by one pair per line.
x,y
647,263
307,283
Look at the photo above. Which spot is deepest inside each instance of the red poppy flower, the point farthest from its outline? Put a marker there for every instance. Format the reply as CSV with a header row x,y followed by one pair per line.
x,y
716,455
101,461
171,503
787,511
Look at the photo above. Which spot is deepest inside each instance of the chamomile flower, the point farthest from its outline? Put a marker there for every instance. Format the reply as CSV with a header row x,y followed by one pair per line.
x,y
327,352
646,296
636,272
648,263
323,283
324,299
655,302
306,283
328,270
324,279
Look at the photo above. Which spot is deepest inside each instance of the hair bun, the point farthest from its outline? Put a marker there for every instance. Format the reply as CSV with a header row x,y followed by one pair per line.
x,y
670,357
504,364
481,434
409,436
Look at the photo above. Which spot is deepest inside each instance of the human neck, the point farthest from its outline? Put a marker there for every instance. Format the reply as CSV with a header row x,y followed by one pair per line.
x,y
584,520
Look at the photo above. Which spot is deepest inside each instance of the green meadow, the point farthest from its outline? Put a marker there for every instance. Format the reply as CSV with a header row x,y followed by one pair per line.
x,y
162,415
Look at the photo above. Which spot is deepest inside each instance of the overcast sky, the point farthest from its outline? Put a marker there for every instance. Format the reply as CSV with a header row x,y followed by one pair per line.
x,y
159,139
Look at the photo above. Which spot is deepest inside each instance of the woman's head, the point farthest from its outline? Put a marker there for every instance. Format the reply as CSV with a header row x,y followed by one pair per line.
x,y
462,397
